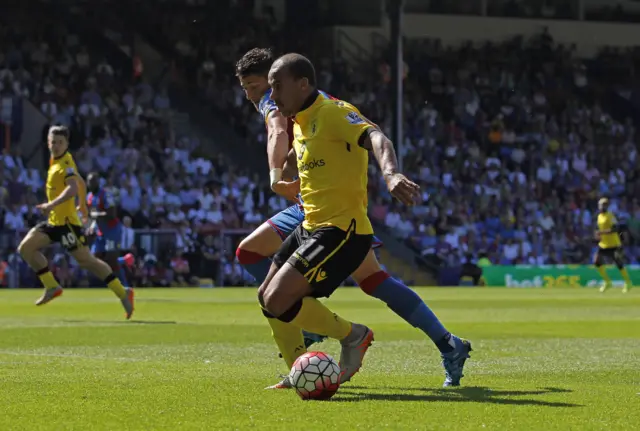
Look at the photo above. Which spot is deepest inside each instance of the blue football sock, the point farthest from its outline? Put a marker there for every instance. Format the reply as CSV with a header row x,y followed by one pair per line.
x,y
258,270
407,304
255,264
122,275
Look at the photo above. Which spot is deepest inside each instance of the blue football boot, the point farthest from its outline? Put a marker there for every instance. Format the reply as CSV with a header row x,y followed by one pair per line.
x,y
453,362
310,339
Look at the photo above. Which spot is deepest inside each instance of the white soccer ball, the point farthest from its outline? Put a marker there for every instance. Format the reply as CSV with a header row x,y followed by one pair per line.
x,y
315,376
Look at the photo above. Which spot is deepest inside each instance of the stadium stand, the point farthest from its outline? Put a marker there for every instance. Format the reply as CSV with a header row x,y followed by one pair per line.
x,y
511,142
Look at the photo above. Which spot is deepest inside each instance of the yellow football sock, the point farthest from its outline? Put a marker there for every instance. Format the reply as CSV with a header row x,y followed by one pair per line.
x,y
625,276
47,279
115,285
289,339
316,318
603,273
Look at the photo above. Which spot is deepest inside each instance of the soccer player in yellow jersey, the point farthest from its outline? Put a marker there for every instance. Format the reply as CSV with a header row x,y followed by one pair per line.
x,y
252,71
610,246
336,234
63,225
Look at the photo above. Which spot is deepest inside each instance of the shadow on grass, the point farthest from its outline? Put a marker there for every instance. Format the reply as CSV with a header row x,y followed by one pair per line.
x,y
470,394
125,322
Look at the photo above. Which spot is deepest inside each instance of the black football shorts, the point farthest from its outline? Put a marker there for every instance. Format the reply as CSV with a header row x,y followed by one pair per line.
x,y
326,256
70,236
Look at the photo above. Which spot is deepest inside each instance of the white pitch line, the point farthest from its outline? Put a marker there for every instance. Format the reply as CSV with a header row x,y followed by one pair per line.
x,y
69,355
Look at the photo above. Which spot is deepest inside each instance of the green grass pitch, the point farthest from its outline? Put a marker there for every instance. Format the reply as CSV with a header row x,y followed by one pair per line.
x,y
198,359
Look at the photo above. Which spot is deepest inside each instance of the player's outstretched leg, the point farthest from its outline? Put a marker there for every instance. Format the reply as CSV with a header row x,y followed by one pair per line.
x,y
407,304
618,258
102,270
29,249
290,343
606,281
114,260
279,298
127,260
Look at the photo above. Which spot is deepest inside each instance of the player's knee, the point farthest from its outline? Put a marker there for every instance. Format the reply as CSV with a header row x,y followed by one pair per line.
x,y
265,313
272,302
250,244
27,246
261,291
261,243
248,252
85,260
23,248
244,256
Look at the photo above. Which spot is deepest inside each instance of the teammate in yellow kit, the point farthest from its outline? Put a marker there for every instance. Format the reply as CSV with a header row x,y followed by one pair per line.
x,y
63,225
610,246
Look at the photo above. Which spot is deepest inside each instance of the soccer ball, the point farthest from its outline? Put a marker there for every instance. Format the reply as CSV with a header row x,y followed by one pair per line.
x,y
315,376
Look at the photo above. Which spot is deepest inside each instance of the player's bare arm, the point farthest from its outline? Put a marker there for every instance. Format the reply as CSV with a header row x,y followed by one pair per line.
x,y
277,140
286,186
70,192
277,153
290,169
400,187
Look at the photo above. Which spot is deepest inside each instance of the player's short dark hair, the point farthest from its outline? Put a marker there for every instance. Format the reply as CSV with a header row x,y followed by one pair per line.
x,y
299,67
258,61
59,131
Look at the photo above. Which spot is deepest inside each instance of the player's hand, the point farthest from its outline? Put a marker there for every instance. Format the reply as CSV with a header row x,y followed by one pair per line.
x,y
403,189
45,208
82,209
84,213
287,189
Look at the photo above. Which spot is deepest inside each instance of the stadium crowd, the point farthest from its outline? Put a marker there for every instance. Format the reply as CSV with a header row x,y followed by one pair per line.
x,y
511,143
511,153
120,126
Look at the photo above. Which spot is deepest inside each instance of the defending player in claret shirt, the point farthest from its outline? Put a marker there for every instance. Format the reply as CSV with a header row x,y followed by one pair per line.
x,y
254,250
64,184
331,143
609,246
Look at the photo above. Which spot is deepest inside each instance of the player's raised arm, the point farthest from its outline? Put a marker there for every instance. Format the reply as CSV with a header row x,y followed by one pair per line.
x,y
399,186
354,128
